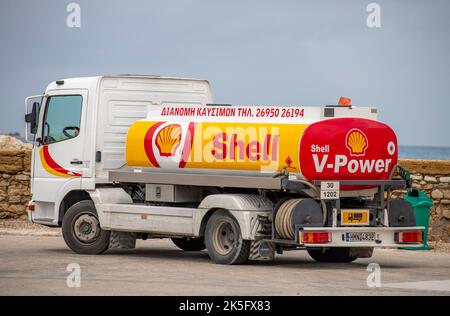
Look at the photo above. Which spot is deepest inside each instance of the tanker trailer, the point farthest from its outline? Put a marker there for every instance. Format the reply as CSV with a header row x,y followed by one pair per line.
x,y
244,182
334,174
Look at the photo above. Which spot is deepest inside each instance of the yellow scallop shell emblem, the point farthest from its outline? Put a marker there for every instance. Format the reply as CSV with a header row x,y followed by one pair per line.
x,y
168,140
356,142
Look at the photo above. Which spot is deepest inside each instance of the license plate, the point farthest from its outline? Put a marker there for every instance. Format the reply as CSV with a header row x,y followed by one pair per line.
x,y
354,217
359,236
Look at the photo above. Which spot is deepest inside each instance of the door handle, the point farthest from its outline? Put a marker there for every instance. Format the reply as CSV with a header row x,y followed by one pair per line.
x,y
76,162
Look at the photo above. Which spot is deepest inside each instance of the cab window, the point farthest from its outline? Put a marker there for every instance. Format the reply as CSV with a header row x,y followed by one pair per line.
x,y
62,118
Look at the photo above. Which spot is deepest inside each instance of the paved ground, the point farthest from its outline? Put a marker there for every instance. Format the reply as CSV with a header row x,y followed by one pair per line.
x,y
36,265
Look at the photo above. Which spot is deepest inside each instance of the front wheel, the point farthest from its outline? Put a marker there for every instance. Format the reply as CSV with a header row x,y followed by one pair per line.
x,y
81,229
224,241
338,254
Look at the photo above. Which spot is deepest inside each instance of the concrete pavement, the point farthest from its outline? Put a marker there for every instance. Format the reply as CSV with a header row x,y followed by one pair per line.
x,y
36,265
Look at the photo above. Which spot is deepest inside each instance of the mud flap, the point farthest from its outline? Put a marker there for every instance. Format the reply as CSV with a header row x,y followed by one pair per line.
x,y
261,250
122,240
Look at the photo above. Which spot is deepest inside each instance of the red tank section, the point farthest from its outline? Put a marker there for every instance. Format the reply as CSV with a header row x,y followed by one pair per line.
x,y
348,149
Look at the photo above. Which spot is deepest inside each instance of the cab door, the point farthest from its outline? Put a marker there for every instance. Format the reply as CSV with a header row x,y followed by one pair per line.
x,y
58,151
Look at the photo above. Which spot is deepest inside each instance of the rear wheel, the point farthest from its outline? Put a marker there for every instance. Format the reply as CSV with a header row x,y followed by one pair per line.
x,y
81,229
338,254
189,244
224,241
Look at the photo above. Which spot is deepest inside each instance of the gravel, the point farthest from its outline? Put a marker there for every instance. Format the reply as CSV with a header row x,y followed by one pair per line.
x,y
23,227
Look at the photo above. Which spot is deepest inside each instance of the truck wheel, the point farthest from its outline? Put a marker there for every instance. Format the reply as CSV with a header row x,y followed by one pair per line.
x,y
224,241
81,229
189,244
338,254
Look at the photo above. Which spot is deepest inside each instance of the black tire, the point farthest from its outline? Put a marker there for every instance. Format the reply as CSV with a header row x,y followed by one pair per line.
x,y
224,241
81,229
189,244
338,254
122,240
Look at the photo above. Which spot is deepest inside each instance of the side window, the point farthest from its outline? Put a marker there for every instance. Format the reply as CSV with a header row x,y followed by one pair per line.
x,y
62,118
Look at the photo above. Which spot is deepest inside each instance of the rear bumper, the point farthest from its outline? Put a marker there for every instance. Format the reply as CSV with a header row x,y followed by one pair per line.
x,y
385,236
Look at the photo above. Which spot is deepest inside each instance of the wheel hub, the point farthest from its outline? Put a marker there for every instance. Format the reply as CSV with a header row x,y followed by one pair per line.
x,y
86,228
224,238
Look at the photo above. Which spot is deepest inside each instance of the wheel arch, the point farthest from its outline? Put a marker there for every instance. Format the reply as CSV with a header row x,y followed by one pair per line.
x,y
237,201
70,199
206,218
244,208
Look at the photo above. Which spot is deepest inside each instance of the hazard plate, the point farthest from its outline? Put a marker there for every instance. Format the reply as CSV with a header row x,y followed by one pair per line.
x,y
359,236
329,190
354,217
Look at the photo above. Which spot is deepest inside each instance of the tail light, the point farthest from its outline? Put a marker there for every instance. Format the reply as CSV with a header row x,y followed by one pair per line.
x,y
316,237
409,237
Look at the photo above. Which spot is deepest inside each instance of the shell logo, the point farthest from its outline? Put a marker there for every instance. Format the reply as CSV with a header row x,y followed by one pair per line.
x,y
168,140
356,142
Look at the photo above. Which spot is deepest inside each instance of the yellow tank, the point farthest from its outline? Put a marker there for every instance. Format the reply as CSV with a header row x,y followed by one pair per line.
x,y
214,145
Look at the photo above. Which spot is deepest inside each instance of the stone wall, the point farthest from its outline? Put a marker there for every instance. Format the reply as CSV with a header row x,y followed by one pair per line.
x,y
431,176
15,162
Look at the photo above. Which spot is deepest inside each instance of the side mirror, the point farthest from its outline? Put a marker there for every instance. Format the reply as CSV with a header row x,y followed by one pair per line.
x,y
32,118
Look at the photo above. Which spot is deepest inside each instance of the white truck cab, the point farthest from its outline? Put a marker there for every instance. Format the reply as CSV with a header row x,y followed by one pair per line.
x,y
83,123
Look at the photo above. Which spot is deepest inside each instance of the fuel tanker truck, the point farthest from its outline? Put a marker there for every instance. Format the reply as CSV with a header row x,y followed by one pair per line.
x,y
120,158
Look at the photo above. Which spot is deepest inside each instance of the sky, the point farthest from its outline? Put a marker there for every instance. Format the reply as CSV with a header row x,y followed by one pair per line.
x,y
256,52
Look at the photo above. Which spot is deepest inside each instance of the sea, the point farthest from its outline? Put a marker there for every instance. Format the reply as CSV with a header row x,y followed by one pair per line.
x,y
424,152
